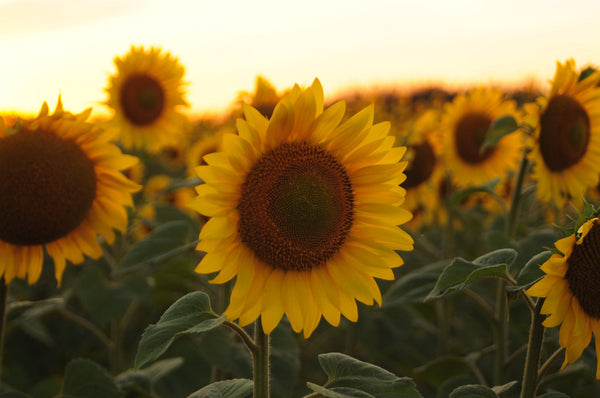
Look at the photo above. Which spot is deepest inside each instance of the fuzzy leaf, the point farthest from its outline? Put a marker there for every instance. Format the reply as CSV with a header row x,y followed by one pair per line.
x,y
460,273
488,187
87,379
166,240
234,388
500,127
190,314
531,272
414,286
339,392
473,391
347,375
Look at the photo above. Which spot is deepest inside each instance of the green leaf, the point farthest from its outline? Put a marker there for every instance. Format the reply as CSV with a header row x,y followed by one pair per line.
x,y
346,372
190,314
473,391
500,127
553,394
501,256
87,379
14,394
504,387
414,286
338,392
103,299
442,369
489,187
460,273
145,378
234,388
531,272
166,240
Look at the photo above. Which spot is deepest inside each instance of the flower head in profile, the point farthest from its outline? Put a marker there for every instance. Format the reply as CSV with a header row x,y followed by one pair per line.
x,y
304,212
60,187
571,289
464,125
566,138
145,95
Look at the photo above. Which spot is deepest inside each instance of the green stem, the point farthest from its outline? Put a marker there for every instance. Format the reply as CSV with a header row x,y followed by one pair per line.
x,y
500,332
3,308
515,200
252,347
549,362
261,362
534,349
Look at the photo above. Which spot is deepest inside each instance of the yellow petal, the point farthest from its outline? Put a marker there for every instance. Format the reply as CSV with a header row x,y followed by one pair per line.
x,y
290,299
272,303
219,227
329,311
349,281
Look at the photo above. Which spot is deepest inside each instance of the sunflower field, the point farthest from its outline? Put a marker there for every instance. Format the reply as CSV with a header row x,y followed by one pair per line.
x,y
430,243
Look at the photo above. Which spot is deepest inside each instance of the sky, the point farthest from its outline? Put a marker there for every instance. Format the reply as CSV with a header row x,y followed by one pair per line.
x,y
67,47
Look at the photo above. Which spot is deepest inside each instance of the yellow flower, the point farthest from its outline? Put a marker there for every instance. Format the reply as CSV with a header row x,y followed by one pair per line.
x,y
424,169
208,142
303,211
145,95
158,189
572,291
566,149
264,98
464,125
60,187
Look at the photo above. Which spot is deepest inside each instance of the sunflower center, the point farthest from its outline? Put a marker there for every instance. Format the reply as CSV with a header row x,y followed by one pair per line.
x,y
421,166
469,134
564,132
583,273
296,207
142,99
47,187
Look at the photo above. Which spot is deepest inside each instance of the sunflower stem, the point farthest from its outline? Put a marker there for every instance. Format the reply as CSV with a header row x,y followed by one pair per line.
x,y
515,199
534,349
549,362
500,330
3,308
261,362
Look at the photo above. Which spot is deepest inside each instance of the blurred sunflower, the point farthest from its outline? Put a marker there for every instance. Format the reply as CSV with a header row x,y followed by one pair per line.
x,y
145,94
158,189
304,211
566,148
264,98
572,292
60,187
464,125
208,142
424,170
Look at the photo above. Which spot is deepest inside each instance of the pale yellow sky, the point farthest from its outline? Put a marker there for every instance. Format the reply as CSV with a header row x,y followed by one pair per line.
x,y
67,46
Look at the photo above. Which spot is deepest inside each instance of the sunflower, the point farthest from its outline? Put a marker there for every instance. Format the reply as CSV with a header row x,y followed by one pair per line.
x,y
60,187
464,125
145,95
572,291
424,169
303,211
566,148
208,142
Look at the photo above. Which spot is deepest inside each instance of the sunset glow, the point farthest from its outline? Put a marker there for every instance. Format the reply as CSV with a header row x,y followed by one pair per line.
x,y
67,47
